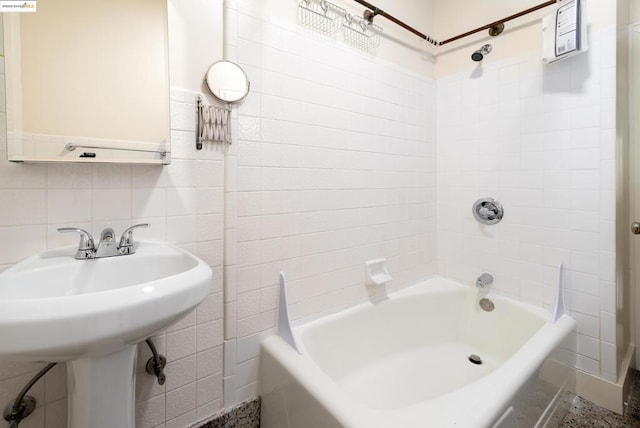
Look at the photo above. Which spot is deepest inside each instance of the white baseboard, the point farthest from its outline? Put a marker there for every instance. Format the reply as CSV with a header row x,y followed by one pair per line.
x,y
607,394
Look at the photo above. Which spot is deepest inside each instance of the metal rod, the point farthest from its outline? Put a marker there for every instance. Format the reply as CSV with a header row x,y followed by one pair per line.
x,y
508,18
378,11
71,147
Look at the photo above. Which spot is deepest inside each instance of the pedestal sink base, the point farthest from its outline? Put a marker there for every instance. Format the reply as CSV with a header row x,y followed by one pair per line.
x,y
102,390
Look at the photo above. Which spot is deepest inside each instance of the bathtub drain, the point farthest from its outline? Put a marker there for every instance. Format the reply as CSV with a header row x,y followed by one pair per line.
x,y
487,305
475,359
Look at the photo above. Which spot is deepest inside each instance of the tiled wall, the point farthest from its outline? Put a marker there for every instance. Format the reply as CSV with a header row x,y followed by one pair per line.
x,y
184,204
541,140
334,165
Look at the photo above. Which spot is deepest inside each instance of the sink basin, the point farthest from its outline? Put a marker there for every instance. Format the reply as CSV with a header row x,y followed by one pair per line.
x,y
91,314
56,308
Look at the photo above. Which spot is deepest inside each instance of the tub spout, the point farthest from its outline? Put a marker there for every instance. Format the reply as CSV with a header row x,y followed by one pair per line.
x,y
484,279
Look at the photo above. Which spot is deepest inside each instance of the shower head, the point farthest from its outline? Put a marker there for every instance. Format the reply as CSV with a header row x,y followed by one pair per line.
x,y
478,55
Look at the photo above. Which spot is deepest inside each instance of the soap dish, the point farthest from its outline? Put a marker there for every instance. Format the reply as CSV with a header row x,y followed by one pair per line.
x,y
377,271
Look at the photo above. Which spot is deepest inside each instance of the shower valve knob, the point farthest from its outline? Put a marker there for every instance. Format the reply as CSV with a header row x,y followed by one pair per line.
x,y
488,211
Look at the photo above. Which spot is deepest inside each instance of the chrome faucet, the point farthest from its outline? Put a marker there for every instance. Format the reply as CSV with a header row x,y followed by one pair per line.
x,y
484,279
107,246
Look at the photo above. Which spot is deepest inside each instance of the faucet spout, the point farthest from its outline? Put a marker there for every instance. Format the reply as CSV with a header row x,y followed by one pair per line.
x,y
108,234
107,247
484,280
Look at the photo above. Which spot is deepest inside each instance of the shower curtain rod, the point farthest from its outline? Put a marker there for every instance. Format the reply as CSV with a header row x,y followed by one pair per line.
x,y
493,26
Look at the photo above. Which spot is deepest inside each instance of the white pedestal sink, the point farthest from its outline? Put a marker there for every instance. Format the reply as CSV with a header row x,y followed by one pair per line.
x,y
91,314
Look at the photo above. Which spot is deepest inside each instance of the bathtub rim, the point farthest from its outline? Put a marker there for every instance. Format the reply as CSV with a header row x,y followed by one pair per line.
x,y
483,410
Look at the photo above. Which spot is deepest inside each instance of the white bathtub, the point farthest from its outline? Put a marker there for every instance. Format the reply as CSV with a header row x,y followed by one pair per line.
x,y
404,362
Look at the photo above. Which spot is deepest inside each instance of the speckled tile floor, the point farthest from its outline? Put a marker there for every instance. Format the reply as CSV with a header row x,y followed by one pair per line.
x,y
584,414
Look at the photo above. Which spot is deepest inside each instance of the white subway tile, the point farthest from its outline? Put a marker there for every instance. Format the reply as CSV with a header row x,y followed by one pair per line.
x,y
180,372
608,363
181,201
208,173
107,176
608,297
270,226
23,207
111,204
248,203
249,28
247,372
588,365
209,362
249,326
607,266
271,132
182,116
608,327
585,304
210,200
248,153
56,414
149,202
209,335
230,396
181,343
248,52
69,205
181,230
208,389
151,176
66,176
179,402
248,304
21,176
150,413
587,325
589,347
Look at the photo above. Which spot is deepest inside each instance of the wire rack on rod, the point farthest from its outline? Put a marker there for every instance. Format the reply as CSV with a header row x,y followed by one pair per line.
x,y
360,33
320,15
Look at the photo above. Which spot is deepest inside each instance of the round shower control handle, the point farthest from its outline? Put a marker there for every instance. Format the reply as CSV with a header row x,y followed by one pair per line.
x,y
635,228
487,211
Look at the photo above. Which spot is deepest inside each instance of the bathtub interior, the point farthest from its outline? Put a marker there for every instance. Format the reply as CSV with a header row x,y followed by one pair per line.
x,y
413,348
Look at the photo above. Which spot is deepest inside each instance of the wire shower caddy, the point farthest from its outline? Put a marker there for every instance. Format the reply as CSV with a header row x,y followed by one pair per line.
x,y
326,17
321,15
360,33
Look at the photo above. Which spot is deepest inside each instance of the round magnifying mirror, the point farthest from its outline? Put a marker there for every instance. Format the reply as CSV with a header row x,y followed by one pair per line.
x,y
227,81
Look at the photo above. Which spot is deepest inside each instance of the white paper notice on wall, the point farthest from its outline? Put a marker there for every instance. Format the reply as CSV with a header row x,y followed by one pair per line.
x,y
564,32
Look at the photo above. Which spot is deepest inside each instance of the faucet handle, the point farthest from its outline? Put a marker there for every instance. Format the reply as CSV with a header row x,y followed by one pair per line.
x,y
86,246
126,240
